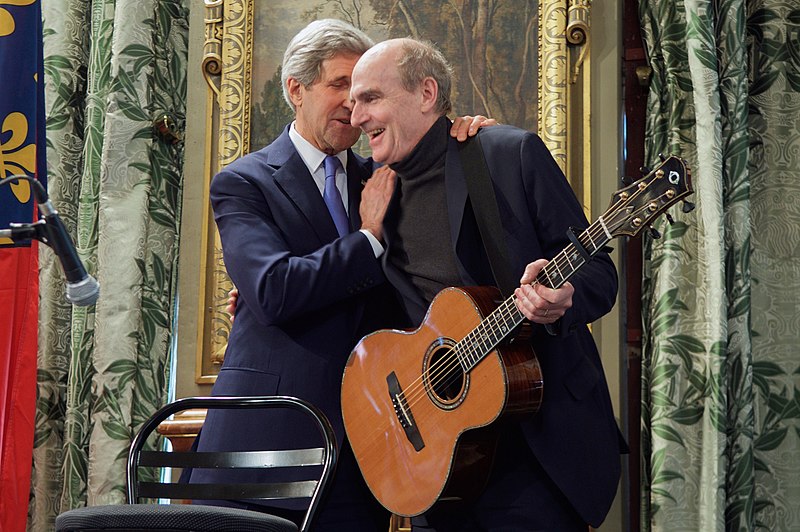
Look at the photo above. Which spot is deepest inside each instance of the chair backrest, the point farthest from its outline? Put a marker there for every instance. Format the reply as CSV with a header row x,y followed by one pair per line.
x,y
323,458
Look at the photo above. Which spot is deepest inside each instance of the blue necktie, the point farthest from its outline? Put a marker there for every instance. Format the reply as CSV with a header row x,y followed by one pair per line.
x,y
332,197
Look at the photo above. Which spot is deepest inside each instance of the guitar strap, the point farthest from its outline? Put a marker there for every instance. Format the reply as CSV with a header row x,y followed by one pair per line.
x,y
484,204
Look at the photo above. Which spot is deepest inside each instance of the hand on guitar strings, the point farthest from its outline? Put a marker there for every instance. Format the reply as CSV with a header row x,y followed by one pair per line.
x,y
538,303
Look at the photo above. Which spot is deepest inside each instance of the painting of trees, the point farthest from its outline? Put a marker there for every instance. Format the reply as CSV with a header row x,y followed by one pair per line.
x,y
490,43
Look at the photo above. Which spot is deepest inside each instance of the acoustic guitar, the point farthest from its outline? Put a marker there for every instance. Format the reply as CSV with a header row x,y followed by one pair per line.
x,y
419,406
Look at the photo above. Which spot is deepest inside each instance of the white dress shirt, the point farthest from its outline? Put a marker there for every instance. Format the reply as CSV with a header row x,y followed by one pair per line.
x,y
314,160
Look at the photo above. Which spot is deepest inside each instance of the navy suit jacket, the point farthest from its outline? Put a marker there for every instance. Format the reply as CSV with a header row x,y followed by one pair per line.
x,y
574,435
304,296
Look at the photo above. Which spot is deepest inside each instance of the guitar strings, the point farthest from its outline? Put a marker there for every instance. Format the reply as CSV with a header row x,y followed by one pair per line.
x,y
475,345
444,368
473,342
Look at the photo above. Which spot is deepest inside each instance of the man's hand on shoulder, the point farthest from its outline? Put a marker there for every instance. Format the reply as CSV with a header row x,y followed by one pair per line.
x,y
468,126
375,198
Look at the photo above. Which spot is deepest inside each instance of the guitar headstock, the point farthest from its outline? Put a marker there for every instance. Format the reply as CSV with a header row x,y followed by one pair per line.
x,y
636,206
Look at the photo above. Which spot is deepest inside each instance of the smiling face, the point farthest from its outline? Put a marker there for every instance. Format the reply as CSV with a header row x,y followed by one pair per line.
x,y
394,119
322,108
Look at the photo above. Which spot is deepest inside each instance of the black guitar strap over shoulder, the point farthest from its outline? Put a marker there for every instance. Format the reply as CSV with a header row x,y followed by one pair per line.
x,y
484,203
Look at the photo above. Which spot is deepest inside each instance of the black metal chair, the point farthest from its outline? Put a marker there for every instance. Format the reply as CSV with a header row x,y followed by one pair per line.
x,y
201,518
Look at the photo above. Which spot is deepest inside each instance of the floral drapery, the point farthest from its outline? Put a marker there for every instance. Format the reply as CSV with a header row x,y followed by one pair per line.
x,y
111,69
722,288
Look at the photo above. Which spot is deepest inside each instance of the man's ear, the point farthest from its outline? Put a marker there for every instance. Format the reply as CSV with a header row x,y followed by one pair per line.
x,y
430,92
294,88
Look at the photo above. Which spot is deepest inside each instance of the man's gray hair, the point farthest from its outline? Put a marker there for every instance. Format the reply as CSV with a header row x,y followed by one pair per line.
x,y
421,59
319,41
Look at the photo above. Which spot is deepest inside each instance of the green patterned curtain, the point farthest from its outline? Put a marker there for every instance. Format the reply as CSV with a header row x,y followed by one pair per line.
x,y
721,371
111,69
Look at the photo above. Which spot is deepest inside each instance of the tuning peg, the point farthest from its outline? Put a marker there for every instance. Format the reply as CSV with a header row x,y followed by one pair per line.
x,y
669,217
644,170
626,181
662,157
654,232
688,206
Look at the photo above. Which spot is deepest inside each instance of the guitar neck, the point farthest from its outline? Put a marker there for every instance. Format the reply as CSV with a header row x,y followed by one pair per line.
x,y
569,260
498,325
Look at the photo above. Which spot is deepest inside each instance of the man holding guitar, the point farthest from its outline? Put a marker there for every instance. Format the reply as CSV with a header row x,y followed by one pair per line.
x,y
555,469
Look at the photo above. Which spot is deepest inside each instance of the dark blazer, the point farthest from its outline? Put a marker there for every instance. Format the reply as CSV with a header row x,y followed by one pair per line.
x,y
304,296
574,436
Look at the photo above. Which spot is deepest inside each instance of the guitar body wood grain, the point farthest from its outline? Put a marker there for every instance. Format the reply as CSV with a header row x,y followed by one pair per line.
x,y
437,399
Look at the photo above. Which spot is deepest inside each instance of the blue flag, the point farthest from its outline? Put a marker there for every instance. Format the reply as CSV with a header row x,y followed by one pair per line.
x,y
22,126
22,151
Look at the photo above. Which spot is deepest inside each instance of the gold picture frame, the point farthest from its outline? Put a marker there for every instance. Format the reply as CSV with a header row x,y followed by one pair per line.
x,y
552,61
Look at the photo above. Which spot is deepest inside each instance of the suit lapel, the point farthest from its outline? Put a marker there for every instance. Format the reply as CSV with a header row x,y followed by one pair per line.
x,y
293,177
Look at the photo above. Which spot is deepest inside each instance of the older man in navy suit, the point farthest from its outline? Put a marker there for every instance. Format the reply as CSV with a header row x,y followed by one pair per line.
x,y
556,470
301,236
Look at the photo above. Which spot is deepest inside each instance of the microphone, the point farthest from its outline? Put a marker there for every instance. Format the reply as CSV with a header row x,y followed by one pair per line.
x,y
82,288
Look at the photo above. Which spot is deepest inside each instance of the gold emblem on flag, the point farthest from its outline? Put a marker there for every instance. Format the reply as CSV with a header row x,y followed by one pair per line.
x,y
16,157
6,19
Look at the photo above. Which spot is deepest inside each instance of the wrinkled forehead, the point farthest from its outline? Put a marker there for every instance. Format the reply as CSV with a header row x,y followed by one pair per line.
x,y
375,73
339,65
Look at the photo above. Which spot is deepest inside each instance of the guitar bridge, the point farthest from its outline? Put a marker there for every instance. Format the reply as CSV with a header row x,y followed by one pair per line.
x,y
403,412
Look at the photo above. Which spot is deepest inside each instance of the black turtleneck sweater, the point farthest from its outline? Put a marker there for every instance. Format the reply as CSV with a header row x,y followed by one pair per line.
x,y
420,243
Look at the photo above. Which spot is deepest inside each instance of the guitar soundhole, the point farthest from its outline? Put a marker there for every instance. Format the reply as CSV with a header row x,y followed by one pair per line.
x,y
445,380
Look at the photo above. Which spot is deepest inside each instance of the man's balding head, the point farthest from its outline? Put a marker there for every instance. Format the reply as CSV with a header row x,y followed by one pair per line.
x,y
400,88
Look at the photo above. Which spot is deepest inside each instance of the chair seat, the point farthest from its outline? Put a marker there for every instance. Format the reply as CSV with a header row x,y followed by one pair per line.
x,y
169,517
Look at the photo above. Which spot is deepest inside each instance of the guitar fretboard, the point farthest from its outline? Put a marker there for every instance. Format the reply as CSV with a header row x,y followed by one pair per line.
x,y
506,317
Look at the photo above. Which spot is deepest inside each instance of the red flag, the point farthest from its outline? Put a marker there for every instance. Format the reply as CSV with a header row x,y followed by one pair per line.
x,y
22,150
19,289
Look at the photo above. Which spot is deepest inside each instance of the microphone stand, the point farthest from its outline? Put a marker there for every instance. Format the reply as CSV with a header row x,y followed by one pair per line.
x,y
82,289
28,231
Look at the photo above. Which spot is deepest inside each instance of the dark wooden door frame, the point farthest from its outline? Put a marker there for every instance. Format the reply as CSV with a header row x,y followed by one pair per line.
x,y
636,78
